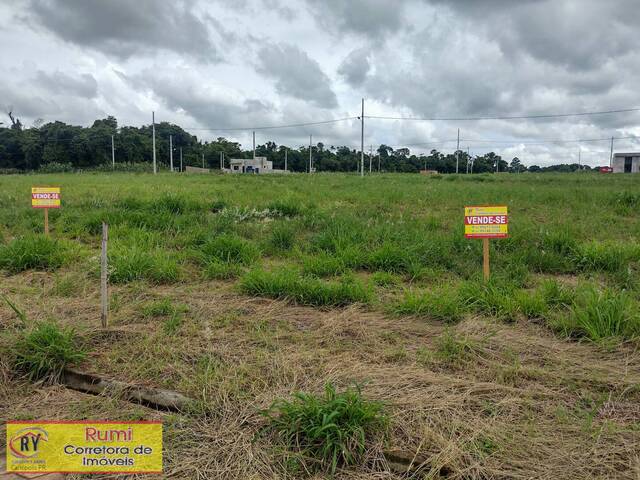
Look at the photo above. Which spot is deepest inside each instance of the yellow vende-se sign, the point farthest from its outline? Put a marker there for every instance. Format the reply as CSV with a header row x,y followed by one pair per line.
x,y
45,197
84,447
486,222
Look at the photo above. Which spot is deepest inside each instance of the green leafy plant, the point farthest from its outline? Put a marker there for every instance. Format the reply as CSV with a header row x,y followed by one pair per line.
x,y
600,315
289,284
43,352
231,249
37,252
136,263
164,308
326,432
444,305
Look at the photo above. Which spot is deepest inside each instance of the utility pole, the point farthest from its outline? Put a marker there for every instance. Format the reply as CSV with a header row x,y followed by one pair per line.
x,y
468,158
378,162
254,145
310,140
113,153
458,151
153,129
171,152
579,159
362,141
285,159
497,165
180,159
203,160
611,155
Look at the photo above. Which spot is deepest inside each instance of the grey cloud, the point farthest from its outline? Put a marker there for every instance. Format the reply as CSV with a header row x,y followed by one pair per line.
x,y
122,28
355,67
576,34
285,12
370,18
296,74
58,82
184,92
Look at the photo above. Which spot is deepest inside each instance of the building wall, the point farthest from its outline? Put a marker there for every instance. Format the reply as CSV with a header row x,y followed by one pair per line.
x,y
260,163
618,163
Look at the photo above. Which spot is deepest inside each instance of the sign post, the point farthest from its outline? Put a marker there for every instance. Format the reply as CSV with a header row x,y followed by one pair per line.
x,y
486,222
46,198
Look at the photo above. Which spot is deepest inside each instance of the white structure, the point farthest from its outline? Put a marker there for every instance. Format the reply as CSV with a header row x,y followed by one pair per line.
x,y
251,165
626,163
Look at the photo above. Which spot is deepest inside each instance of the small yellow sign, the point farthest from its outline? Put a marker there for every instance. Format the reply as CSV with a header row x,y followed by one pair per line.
x,y
84,446
45,197
486,222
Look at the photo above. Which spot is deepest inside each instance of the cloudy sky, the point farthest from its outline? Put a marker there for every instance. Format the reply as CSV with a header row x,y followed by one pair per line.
x,y
208,65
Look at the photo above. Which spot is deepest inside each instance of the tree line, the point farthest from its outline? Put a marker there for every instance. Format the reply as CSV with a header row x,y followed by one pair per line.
x,y
57,145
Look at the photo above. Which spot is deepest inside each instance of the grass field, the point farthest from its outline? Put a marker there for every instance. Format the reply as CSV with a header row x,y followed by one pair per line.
x,y
331,293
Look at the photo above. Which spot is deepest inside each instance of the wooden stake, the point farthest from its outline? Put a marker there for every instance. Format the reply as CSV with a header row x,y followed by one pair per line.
x,y
104,299
485,258
46,221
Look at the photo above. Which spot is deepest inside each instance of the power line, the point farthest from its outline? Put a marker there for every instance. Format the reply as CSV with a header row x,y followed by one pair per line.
x,y
544,142
272,127
505,117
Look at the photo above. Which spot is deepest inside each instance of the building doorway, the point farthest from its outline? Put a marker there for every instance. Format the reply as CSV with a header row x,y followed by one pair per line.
x,y
627,164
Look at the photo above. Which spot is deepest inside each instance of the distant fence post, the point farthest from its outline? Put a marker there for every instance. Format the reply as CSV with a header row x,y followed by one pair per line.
x,y
104,299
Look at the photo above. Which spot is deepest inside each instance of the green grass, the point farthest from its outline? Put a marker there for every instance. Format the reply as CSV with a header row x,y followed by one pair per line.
x,y
600,315
282,237
326,432
290,285
218,270
450,348
45,350
136,263
495,299
230,249
38,252
323,265
405,231
171,313
443,304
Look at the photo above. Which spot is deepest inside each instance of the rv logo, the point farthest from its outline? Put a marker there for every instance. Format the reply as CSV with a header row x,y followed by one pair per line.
x,y
27,442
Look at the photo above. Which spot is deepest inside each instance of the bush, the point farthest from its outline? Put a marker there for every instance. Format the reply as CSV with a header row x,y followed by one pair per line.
x,y
444,305
230,249
329,431
46,350
37,252
288,284
55,167
601,315
135,263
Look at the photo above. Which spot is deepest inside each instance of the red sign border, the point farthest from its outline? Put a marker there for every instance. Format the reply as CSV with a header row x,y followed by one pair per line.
x,y
487,235
46,206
